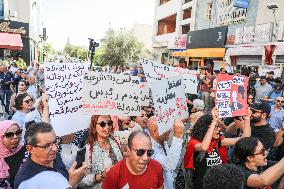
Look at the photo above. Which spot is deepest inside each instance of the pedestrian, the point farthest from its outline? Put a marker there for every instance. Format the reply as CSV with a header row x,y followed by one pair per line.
x,y
250,155
277,114
12,152
137,170
277,91
41,143
102,151
262,89
6,79
22,88
197,111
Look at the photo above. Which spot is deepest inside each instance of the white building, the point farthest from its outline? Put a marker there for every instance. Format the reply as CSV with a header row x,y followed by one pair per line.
x,y
143,33
27,11
173,18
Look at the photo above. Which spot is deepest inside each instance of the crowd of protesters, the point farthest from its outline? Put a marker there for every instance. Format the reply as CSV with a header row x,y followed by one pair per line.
x,y
201,151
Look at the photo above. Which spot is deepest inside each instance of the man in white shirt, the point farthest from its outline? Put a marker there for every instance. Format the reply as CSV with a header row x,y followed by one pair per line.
x,y
167,155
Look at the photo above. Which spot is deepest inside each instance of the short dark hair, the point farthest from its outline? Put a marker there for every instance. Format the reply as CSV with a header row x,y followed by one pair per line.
x,y
25,82
224,176
34,129
19,100
263,77
244,148
133,134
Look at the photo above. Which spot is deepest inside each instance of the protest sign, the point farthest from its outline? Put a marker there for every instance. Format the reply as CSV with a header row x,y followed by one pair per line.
x,y
262,70
169,101
231,95
145,94
154,72
111,94
63,83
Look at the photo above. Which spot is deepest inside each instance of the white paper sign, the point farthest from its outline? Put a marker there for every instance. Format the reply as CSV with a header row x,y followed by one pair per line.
x,y
262,70
111,94
145,94
154,72
169,101
63,82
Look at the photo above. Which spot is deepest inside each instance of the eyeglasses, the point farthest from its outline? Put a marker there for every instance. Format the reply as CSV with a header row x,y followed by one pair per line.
x,y
141,152
280,101
48,146
103,124
9,135
262,151
28,101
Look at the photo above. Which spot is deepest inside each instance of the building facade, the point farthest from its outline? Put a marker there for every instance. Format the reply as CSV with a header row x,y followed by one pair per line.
x,y
26,14
173,20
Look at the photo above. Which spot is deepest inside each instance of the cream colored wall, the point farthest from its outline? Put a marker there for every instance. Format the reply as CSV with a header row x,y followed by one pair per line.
x,y
264,15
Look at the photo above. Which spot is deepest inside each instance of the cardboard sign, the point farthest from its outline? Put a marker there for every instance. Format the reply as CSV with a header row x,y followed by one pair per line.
x,y
145,94
169,102
63,82
154,72
111,94
262,70
231,95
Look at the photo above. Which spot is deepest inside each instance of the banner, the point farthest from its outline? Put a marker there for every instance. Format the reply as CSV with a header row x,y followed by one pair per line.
x,y
262,70
231,95
63,83
145,94
111,94
169,102
154,72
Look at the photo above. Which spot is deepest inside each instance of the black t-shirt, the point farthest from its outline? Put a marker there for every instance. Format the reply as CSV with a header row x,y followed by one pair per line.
x,y
265,134
208,160
247,172
14,162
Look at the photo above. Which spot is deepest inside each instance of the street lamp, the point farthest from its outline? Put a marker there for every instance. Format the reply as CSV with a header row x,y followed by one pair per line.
x,y
92,48
273,7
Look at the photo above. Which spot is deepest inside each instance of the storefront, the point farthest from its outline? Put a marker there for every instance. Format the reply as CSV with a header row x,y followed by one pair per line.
x,y
14,40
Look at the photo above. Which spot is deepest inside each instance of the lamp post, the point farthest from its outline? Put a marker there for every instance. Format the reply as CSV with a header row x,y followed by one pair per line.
x,y
92,49
273,7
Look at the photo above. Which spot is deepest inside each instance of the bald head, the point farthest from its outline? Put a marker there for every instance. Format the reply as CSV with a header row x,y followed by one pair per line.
x,y
137,137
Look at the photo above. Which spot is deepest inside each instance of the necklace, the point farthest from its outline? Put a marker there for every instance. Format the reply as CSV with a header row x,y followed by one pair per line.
x,y
103,142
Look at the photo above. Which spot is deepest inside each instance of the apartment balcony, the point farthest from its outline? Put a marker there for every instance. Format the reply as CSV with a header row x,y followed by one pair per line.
x,y
187,5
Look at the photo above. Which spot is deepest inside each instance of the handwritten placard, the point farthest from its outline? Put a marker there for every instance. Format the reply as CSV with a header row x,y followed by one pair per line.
x,y
145,94
154,72
63,82
231,95
169,101
111,94
262,70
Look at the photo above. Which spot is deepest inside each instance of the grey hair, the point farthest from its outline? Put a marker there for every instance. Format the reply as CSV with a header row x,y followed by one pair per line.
x,y
133,134
198,104
34,129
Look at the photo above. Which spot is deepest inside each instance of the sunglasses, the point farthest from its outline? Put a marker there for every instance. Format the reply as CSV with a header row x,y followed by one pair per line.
x,y
28,101
141,152
280,101
262,151
18,133
103,124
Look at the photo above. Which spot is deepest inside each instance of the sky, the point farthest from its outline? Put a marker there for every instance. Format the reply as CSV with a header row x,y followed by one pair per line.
x,y
83,19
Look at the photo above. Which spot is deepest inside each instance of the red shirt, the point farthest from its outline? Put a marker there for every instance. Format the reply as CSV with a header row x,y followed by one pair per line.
x,y
119,176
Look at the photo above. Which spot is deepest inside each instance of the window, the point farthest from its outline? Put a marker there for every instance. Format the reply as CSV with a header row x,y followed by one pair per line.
x,y
208,12
186,14
167,25
163,1
187,1
185,29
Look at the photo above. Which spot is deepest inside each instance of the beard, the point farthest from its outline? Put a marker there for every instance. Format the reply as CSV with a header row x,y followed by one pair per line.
x,y
254,120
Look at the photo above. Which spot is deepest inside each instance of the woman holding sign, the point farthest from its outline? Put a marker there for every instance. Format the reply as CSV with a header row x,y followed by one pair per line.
x,y
102,151
207,148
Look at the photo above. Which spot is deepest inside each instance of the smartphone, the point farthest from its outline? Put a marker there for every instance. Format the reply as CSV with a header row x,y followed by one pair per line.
x,y
80,158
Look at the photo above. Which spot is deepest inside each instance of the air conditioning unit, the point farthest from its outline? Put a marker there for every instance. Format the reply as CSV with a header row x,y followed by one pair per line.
x,y
13,14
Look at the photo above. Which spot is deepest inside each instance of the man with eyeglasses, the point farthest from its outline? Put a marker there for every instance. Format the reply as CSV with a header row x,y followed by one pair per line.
x,y
41,143
260,128
277,114
137,170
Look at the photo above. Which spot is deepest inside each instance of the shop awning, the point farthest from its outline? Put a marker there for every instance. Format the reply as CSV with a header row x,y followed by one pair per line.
x,y
202,53
11,41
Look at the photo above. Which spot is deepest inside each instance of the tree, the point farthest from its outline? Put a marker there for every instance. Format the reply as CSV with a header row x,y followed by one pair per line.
x,y
75,51
119,48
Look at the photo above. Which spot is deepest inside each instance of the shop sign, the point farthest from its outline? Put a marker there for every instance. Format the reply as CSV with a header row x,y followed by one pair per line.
x,y
177,42
254,34
228,14
14,27
208,38
241,3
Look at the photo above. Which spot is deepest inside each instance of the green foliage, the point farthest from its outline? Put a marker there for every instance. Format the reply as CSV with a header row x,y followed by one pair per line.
x,y
118,48
75,51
